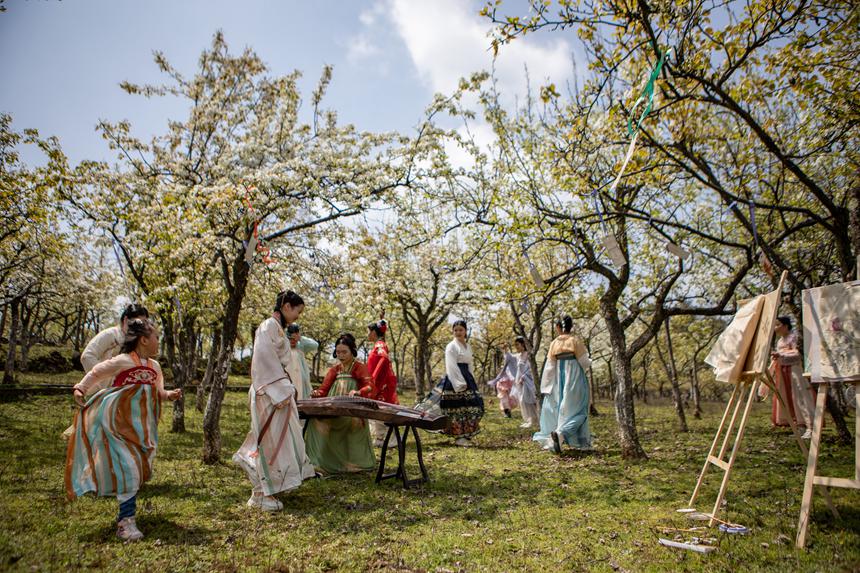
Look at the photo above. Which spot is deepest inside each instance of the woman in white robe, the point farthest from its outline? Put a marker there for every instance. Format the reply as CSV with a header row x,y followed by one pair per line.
x,y
564,385
273,453
524,385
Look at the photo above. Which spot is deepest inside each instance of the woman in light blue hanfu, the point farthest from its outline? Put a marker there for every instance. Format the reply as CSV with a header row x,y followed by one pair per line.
x,y
564,385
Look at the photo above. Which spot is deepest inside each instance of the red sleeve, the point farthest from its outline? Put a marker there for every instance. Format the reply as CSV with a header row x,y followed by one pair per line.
x,y
380,364
329,379
363,382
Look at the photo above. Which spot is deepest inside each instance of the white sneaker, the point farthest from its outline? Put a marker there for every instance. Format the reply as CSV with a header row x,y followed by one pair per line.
x,y
464,442
254,500
126,529
269,503
526,425
807,435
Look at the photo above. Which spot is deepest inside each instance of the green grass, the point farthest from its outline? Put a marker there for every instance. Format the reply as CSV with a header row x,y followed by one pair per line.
x,y
504,505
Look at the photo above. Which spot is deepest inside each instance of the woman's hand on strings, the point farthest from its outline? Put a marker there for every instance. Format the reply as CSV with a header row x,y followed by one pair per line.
x,y
78,395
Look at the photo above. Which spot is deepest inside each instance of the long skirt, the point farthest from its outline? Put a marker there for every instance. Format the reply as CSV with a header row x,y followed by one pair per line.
x,y
278,462
464,409
340,445
113,442
565,410
508,400
797,394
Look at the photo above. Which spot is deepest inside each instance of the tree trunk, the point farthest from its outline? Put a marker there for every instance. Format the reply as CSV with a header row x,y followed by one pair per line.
x,y
673,377
625,412
25,334
182,352
694,383
592,409
210,368
212,416
3,315
169,331
645,379
9,373
842,432
423,373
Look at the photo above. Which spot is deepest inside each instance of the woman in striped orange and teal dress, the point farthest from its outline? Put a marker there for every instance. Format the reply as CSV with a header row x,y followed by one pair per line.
x,y
115,433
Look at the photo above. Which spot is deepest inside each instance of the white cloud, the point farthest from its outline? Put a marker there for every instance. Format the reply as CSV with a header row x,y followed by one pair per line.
x,y
361,48
370,17
447,40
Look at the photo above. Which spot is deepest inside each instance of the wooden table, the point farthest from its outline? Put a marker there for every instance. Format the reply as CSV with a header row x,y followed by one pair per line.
x,y
399,420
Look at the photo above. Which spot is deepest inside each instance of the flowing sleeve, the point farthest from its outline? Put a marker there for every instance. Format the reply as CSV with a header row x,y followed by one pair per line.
x,y
100,345
547,381
328,380
451,368
159,380
522,368
280,391
382,363
788,352
306,345
363,382
501,373
582,354
550,369
103,374
271,357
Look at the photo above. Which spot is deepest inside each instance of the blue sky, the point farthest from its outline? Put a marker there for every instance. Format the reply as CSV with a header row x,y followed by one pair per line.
x,y
63,60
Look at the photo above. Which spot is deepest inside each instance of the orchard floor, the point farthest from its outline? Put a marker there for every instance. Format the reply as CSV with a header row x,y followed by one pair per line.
x,y
503,505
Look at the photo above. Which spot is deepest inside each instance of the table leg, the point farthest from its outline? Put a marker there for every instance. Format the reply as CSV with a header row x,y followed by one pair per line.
x,y
381,471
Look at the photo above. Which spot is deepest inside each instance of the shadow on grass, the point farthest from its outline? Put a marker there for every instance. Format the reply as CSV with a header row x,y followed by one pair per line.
x,y
156,526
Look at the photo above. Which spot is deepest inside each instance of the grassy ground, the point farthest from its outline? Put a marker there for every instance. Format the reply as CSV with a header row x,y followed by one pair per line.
x,y
501,506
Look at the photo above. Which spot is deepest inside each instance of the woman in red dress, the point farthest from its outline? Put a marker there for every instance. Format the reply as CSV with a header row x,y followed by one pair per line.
x,y
384,379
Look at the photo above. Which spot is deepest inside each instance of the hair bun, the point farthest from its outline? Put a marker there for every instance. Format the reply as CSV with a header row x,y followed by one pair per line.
x,y
383,325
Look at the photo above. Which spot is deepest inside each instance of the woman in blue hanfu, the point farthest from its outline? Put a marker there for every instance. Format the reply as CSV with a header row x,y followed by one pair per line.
x,y
564,414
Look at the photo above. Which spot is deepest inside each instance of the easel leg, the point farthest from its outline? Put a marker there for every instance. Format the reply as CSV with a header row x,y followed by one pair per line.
x,y
811,465
857,429
804,452
713,445
741,427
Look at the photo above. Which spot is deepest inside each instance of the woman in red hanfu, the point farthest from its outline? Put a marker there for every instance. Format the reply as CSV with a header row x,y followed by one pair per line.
x,y
384,379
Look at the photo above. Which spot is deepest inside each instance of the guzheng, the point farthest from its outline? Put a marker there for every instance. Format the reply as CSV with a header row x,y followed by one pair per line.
x,y
358,407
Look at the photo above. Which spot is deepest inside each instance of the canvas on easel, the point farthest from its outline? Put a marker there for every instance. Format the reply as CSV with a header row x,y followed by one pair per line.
x,y
741,357
831,348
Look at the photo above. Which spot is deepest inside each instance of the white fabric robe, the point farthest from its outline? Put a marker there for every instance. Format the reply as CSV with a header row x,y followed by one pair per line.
x,y
456,353
104,345
280,462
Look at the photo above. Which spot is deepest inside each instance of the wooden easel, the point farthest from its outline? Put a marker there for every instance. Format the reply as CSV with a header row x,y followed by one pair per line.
x,y
754,372
812,478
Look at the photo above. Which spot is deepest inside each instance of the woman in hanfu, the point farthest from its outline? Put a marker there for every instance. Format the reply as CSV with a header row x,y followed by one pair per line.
x,y
504,383
273,453
787,370
459,397
564,385
381,374
524,384
342,444
298,369
115,434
